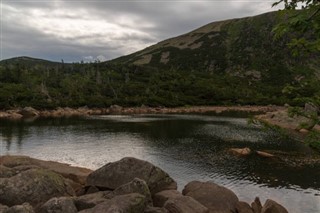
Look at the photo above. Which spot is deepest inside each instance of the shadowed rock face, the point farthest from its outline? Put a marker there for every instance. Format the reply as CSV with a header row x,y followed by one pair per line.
x,y
216,198
59,205
121,172
133,203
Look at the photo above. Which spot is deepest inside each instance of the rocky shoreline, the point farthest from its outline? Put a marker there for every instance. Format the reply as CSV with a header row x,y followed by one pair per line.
x,y
29,112
130,185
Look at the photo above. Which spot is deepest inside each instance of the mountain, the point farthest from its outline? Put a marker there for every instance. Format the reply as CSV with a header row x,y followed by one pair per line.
x,y
228,62
242,47
28,61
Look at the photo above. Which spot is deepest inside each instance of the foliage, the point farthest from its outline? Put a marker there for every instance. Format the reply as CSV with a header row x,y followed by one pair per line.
x,y
303,25
313,139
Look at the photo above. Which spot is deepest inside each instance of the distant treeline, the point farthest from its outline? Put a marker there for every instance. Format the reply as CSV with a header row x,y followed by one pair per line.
x,y
43,85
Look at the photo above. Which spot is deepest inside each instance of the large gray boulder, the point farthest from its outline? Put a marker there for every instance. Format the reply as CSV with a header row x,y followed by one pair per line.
x,y
34,186
59,205
130,203
121,172
216,198
273,207
184,204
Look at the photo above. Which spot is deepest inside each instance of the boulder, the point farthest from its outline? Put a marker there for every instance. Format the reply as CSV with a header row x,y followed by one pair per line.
x,y
91,200
151,209
216,198
24,208
121,172
3,208
130,203
185,204
160,198
273,207
76,174
6,172
243,207
311,108
59,205
34,186
28,112
135,186
240,152
256,205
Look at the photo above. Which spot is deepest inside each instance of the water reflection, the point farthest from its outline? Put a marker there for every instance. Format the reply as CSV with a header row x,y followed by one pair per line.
x,y
188,147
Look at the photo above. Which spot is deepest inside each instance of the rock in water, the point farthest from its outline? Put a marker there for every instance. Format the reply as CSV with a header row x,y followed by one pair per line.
x,y
216,198
59,205
273,207
34,186
121,172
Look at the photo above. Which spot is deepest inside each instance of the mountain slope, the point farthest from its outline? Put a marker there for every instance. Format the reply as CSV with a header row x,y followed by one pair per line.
x,y
240,47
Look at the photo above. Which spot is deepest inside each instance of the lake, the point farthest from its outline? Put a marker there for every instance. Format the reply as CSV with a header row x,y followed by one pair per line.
x,y
188,147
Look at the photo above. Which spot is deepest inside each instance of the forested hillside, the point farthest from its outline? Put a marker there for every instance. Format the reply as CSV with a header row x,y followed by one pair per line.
x,y
223,63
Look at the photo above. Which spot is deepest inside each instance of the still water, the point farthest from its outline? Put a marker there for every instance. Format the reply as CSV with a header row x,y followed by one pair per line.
x,y
188,147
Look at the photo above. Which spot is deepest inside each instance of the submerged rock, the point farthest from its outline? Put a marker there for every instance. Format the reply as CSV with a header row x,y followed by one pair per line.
x,y
216,198
121,172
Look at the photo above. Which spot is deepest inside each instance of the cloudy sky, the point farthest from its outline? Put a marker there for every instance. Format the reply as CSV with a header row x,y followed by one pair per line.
x,y
75,30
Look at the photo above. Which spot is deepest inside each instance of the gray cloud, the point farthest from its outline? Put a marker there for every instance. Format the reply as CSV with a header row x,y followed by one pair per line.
x,y
90,30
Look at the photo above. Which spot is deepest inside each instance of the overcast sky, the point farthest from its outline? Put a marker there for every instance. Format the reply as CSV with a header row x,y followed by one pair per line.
x,y
88,30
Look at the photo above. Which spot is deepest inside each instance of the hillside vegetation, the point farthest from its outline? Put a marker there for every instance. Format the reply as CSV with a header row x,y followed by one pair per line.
x,y
223,63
